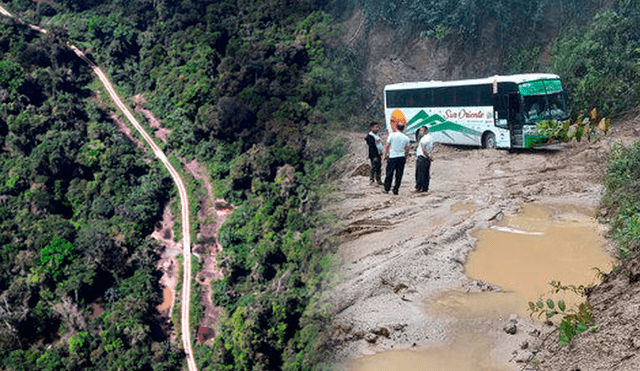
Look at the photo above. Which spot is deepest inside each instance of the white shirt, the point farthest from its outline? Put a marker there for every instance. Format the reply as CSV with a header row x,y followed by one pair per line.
x,y
426,143
397,143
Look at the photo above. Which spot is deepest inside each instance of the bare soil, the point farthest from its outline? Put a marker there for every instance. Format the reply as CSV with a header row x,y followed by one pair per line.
x,y
210,218
168,265
398,252
159,131
211,214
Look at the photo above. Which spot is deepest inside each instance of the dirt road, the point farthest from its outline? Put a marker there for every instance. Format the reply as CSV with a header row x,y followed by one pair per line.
x,y
184,202
399,251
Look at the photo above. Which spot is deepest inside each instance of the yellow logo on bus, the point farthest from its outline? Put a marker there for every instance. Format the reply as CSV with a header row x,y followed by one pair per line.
x,y
397,117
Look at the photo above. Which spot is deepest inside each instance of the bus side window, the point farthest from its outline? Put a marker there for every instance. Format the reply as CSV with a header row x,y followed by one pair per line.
x,y
514,105
502,106
444,97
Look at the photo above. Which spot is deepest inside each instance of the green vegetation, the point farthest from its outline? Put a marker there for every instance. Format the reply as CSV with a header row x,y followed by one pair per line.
x,y
478,21
600,65
622,198
591,127
599,61
250,90
574,321
77,200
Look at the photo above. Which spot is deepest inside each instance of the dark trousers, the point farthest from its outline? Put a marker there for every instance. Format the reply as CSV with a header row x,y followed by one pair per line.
x,y
376,169
423,166
394,166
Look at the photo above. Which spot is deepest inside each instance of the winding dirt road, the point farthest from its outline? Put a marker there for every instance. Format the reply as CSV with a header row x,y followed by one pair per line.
x,y
184,202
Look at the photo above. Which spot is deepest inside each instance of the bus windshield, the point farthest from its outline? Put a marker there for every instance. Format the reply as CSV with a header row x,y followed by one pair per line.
x,y
543,100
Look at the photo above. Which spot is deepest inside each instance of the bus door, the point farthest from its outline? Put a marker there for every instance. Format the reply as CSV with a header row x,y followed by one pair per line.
x,y
509,117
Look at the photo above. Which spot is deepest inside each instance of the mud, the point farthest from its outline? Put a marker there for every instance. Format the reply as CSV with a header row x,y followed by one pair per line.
x,y
168,266
537,246
210,219
401,253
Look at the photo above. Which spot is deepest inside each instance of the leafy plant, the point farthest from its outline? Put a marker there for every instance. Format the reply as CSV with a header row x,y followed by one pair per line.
x,y
598,60
574,321
622,197
585,126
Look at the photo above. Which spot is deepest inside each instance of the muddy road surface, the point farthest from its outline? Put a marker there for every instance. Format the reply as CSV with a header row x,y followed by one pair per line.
x,y
398,254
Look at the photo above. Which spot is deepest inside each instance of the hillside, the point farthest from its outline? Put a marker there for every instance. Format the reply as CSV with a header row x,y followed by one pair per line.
x,y
252,94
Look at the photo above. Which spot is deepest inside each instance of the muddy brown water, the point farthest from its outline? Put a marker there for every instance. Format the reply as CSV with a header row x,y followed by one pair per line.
x,y
167,299
522,255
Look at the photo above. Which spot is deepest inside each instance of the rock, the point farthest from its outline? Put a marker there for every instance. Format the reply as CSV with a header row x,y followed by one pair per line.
x,y
382,331
525,357
510,328
493,213
358,335
400,286
361,170
371,338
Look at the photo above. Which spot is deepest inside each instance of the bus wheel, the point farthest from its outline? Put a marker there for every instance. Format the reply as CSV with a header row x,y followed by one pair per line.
x,y
489,141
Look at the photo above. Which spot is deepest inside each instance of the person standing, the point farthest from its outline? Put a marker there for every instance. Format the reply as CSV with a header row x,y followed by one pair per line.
x,y
424,159
397,148
374,142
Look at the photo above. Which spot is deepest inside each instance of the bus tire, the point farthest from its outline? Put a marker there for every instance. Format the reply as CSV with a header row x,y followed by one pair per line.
x,y
489,141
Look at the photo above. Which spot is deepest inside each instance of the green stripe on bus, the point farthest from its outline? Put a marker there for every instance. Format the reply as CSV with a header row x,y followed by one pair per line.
x,y
532,140
422,119
448,125
540,87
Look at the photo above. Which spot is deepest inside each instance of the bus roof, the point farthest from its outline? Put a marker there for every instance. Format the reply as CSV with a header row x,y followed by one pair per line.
x,y
518,79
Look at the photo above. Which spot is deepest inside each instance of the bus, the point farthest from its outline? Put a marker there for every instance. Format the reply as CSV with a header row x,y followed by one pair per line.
x,y
493,112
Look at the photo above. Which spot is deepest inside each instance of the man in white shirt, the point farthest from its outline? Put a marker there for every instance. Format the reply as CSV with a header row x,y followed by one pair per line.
x,y
397,148
423,159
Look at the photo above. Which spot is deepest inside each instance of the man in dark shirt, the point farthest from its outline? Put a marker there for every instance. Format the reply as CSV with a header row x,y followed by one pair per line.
x,y
374,142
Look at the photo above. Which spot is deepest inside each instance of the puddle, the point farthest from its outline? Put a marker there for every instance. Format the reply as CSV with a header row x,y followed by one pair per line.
x,y
476,305
526,252
167,299
521,255
172,252
469,352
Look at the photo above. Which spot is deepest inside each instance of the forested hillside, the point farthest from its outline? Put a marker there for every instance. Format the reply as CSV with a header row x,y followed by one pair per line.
x,y
255,90
248,90
77,201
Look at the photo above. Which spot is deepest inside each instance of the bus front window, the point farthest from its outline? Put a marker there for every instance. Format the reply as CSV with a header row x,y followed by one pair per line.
x,y
544,107
557,107
534,107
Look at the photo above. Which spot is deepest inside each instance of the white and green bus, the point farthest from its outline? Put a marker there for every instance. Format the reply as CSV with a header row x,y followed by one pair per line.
x,y
494,112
